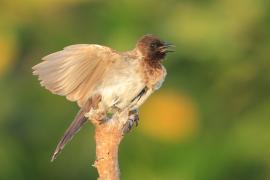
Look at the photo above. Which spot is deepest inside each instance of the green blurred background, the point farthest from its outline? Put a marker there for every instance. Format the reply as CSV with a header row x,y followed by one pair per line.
x,y
209,121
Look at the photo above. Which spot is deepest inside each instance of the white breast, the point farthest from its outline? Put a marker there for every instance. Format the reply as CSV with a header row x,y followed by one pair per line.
x,y
121,84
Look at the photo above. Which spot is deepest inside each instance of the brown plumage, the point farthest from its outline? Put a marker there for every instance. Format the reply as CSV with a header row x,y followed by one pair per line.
x,y
100,77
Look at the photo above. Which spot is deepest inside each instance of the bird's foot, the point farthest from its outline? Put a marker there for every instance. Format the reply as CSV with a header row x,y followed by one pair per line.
x,y
133,119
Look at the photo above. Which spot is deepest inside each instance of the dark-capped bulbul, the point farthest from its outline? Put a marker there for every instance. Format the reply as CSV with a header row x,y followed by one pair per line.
x,y
94,74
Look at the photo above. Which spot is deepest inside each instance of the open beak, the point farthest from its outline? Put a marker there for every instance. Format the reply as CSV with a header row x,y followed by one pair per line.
x,y
167,47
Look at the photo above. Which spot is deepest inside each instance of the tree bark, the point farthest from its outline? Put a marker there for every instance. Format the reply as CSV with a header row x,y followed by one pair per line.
x,y
108,137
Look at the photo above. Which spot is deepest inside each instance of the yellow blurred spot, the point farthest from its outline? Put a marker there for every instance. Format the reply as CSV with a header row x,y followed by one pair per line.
x,y
8,51
169,116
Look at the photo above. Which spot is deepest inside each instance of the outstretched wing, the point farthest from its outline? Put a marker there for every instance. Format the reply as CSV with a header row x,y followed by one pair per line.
x,y
75,71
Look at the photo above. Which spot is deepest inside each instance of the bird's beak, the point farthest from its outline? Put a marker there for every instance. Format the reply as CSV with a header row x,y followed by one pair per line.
x,y
167,47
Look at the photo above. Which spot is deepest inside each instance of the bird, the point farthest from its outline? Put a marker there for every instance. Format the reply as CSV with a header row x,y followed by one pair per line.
x,y
104,81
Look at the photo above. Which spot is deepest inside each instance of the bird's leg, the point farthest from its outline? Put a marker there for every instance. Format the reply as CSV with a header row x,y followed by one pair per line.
x,y
134,116
133,119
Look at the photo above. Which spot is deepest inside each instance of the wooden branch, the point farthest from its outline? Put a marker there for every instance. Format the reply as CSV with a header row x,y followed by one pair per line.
x,y
108,137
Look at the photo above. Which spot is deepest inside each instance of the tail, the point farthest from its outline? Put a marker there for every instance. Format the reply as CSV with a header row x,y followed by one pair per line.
x,y
73,128
76,125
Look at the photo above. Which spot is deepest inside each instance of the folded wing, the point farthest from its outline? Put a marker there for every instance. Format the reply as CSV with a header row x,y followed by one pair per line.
x,y
75,71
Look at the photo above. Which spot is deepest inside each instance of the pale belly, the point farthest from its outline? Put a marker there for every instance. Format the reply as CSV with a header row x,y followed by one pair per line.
x,y
121,94
120,87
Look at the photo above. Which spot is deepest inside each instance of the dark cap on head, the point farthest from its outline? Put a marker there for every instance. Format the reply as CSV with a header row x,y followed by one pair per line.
x,y
153,48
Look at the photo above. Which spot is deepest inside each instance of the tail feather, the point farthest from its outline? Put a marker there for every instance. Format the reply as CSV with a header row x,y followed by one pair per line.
x,y
74,127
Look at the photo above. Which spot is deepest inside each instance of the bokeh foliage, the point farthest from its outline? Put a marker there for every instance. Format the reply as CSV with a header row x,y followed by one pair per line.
x,y
209,121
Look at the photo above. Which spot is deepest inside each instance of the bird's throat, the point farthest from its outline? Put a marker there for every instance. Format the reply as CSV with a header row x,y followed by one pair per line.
x,y
153,63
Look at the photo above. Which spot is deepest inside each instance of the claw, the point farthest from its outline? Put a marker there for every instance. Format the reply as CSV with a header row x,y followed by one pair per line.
x,y
133,119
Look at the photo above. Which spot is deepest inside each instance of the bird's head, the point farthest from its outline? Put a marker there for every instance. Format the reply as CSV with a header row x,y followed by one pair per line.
x,y
153,48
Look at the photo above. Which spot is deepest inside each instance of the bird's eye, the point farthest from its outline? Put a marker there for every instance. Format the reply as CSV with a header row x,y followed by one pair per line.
x,y
153,45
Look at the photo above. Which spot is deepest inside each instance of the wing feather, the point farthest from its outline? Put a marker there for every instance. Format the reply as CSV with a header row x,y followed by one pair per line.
x,y
75,71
